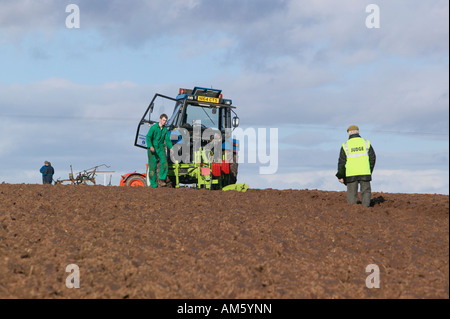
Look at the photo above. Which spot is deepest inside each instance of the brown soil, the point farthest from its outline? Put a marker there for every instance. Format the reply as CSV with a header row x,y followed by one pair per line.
x,y
186,243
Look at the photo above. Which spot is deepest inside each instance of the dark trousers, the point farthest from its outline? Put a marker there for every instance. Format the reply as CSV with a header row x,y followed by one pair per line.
x,y
352,192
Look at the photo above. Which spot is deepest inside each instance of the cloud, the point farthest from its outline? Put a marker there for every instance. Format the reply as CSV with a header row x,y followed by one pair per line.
x,y
387,181
7,145
19,18
299,29
56,97
404,181
404,97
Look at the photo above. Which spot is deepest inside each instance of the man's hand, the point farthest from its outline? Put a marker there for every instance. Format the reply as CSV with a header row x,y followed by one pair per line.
x,y
152,149
341,180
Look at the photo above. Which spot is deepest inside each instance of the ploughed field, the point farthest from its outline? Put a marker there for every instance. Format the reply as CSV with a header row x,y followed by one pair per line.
x,y
135,242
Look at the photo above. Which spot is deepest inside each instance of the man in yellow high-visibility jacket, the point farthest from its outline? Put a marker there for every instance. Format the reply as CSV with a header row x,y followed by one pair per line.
x,y
355,166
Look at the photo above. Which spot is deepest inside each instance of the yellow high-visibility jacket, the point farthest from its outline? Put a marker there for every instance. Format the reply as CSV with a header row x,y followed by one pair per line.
x,y
357,159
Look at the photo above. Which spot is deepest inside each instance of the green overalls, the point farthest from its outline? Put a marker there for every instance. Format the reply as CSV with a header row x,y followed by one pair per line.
x,y
156,138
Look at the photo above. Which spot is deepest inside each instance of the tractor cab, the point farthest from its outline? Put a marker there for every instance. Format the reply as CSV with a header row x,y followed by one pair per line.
x,y
200,106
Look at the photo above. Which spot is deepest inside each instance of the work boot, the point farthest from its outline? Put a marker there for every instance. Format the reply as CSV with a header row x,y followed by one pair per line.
x,y
162,183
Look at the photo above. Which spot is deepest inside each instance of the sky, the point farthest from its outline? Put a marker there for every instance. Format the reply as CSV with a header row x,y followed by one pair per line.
x,y
75,83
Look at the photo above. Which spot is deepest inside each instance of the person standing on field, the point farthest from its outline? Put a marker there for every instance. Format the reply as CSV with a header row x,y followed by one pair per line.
x,y
157,138
47,173
355,166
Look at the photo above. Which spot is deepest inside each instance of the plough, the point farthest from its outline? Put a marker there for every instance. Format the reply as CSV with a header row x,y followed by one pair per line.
x,y
83,177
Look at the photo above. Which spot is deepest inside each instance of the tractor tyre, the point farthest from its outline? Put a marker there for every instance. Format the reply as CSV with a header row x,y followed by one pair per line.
x,y
135,181
234,170
233,173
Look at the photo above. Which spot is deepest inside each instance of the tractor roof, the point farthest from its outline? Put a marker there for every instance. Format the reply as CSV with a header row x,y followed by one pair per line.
x,y
204,95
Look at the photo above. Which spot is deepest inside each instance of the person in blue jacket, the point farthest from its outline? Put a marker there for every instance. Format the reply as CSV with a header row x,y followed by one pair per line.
x,y
42,171
47,173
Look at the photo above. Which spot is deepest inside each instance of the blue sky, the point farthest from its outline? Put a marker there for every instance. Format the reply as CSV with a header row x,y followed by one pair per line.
x,y
309,69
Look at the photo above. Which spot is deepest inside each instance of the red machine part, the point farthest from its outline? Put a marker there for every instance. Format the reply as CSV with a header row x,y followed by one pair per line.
x,y
133,179
219,168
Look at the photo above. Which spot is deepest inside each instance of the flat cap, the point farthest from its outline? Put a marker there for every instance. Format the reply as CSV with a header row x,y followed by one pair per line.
x,y
352,128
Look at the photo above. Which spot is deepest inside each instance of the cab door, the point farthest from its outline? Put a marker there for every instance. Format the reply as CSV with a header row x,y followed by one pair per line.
x,y
160,104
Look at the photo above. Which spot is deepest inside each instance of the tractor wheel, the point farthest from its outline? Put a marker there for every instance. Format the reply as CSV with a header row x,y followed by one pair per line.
x,y
135,181
234,170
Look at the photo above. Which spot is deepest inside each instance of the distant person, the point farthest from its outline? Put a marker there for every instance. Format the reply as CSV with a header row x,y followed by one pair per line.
x,y
156,136
355,166
42,171
47,173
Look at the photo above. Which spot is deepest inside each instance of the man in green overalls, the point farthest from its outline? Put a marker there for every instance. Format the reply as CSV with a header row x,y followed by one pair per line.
x,y
156,136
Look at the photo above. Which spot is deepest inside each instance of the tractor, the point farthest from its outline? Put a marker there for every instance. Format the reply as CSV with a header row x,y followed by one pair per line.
x,y
200,122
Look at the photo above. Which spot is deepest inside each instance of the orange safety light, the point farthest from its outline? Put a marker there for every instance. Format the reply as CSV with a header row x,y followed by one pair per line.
x,y
182,91
220,96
